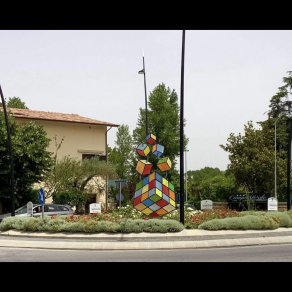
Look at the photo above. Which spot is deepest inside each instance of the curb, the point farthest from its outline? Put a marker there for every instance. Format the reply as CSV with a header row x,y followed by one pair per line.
x,y
186,239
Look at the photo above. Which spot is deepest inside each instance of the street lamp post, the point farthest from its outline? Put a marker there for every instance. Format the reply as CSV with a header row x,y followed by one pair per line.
x,y
289,166
182,132
186,176
146,113
276,158
11,156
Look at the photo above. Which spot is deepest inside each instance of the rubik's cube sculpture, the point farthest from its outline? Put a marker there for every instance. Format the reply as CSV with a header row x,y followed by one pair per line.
x,y
154,195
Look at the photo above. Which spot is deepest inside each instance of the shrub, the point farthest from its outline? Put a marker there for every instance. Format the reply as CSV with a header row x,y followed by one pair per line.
x,y
89,224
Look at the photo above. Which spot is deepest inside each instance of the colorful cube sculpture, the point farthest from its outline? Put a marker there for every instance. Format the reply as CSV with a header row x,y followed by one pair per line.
x,y
157,150
143,167
151,139
154,196
143,149
164,164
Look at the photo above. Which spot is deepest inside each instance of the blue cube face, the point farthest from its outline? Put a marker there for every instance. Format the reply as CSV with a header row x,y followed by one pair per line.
x,y
157,150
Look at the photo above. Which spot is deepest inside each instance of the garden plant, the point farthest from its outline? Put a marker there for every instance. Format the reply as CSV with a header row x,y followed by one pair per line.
x,y
128,220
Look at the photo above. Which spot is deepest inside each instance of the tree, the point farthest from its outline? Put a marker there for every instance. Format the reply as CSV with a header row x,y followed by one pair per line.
x,y
252,156
252,159
164,123
31,159
218,188
279,103
15,102
120,155
74,180
204,173
210,183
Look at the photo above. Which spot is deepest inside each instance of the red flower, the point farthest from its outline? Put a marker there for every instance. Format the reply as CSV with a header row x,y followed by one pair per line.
x,y
104,211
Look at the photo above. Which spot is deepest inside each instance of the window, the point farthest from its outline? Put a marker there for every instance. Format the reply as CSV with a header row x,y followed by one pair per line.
x,y
50,208
62,208
21,210
89,156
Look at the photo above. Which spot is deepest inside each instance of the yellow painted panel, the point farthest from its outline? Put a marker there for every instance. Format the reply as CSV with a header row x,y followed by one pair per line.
x,y
165,182
145,189
147,211
147,150
159,193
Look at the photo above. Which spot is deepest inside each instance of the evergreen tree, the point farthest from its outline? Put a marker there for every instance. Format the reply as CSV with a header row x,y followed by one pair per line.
x,y
15,102
164,123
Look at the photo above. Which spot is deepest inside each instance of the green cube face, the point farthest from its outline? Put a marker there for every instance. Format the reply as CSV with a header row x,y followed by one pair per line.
x,y
139,185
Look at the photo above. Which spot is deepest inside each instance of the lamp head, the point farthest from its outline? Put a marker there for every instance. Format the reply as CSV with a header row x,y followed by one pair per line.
x,y
141,72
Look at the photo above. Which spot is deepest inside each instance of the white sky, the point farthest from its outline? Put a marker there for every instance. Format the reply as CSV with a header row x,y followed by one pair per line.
x,y
229,77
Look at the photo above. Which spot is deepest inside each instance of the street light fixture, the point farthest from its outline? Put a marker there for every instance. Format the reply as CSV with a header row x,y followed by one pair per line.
x,y
11,156
144,73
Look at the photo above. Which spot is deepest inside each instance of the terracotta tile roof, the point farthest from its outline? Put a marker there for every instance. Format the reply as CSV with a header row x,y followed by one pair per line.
x,y
52,116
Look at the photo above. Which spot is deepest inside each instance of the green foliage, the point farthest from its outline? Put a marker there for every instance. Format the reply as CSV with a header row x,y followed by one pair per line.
x,y
164,123
121,155
198,176
90,225
127,220
250,220
31,159
252,155
252,159
69,173
72,197
15,102
211,184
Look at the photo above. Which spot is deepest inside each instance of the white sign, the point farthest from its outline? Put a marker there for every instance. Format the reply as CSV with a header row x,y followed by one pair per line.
x,y
29,207
94,208
206,204
272,204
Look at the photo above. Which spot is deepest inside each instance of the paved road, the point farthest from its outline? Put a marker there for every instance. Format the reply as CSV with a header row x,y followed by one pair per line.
x,y
265,253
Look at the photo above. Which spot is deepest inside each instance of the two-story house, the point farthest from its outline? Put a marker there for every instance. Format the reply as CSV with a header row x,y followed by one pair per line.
x,y
83,137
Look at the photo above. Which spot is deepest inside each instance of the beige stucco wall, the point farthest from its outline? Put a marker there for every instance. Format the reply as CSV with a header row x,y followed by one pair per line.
x,y
78,139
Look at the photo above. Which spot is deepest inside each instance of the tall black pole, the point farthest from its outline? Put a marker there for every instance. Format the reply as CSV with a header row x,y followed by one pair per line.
x,y
289,166
182,203
146,112
145,97
11,156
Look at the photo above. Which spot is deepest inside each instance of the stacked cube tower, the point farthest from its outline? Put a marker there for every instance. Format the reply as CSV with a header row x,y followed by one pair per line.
x,y
154,195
